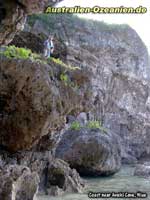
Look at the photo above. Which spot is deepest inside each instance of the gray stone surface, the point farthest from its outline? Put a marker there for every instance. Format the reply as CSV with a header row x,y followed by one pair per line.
x,y
18,183
61,178
55,177
143,170
34,101
119,67
90,151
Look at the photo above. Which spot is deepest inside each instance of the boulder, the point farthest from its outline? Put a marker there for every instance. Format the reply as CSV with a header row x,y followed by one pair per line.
x,y
143,170
18,183
61,178
90,151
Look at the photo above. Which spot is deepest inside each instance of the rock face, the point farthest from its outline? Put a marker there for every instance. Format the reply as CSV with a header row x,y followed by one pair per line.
x,y
34,101
62,179
29,41
17,182
18,172
143,170
90,151
119,71
35,42
13,15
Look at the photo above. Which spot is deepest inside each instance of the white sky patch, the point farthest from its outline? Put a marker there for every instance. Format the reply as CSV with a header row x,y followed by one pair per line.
x,y
140,22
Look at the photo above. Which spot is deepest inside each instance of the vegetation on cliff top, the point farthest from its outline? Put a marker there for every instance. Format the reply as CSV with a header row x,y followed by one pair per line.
x,y
60,62
19,53
23,53
13,52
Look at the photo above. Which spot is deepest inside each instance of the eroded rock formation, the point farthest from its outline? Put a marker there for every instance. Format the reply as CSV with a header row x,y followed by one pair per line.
x,y
36,97
13,15
61,178
18,182
49,175
35,101
119,67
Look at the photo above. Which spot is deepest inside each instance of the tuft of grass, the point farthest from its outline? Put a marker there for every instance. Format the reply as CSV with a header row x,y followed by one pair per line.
x,y
20,53
75,126
60,62
15,52
91,125
94,124
64,78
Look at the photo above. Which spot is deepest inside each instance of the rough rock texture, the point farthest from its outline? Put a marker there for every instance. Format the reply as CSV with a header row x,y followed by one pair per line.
x,y
13,15
55,175
35,42
18,183
119,65
143,170
61,178
90,151
29,41
34,101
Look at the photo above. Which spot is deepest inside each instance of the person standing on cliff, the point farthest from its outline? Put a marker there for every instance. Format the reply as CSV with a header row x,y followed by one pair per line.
x,y
48,47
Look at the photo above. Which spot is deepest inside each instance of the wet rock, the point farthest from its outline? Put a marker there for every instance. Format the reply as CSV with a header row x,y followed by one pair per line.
x,y
55,175
128,159
18,182
90,151
61,178
143,170
55,191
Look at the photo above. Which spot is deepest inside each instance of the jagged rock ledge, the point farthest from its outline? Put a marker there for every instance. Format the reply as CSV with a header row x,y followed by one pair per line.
x,y
13,15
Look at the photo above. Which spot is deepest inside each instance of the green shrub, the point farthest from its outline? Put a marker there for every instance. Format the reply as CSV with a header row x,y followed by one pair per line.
x,y
15,52
75,126
60,62
96,124
21,53
93,124
64,78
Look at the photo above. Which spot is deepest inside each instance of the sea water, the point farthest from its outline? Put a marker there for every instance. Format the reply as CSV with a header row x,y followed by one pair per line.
x,y
123,184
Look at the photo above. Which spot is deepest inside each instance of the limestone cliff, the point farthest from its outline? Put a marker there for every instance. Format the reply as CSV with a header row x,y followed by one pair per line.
x,y
119,68
35,100
105,76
